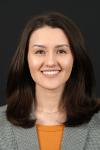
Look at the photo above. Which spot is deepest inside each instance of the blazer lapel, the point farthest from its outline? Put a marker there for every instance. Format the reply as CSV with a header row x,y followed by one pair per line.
x,y
26,139
74,138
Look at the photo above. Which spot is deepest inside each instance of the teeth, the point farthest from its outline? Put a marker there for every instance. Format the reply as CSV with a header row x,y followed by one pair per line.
x,y
50,72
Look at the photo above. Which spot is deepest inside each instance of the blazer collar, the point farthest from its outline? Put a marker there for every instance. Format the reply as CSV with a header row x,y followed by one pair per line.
x,y
74,138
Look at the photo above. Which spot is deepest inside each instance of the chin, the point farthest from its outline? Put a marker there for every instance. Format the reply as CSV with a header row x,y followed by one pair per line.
x,y
52,86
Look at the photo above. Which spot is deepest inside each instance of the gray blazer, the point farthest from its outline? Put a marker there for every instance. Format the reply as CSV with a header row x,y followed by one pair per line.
x,y
85,137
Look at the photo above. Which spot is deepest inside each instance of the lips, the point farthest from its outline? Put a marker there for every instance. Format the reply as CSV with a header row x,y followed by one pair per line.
x,y
51,73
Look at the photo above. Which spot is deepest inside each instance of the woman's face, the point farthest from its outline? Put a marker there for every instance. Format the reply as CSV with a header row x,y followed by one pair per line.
x,y
50,59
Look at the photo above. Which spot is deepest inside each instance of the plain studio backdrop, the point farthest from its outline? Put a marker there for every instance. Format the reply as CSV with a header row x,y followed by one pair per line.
x,y
15,13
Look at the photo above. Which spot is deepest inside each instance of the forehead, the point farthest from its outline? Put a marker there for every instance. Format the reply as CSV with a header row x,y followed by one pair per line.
x,y
48,34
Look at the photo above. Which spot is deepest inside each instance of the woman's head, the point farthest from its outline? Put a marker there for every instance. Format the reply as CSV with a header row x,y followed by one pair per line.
x,y
52,20
78,90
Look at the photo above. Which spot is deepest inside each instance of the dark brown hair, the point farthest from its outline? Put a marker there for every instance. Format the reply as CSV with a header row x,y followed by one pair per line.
x,y
78,95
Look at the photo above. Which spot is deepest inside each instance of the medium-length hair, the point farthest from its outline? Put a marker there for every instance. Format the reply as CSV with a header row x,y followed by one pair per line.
x,y
78,97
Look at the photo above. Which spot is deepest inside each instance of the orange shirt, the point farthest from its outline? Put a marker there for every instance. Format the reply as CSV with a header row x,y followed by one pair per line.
x,y
50,136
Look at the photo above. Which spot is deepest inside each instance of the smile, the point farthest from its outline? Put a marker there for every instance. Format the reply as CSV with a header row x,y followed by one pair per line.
x,y
51,73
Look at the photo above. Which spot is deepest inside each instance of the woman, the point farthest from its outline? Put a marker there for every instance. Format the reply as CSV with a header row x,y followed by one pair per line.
x,y
51,103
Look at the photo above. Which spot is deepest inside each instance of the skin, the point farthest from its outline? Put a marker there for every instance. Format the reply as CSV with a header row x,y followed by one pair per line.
x,y
49,49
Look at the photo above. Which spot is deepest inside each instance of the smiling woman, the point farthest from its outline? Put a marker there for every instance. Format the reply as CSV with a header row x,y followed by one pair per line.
x,y
51,103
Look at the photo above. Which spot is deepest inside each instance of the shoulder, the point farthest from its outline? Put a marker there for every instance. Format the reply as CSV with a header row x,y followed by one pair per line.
x,y
94,125
95,121
93,140
6,133
3,108
2,114
4,124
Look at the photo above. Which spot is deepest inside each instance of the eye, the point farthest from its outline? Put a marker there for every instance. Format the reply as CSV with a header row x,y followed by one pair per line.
x,y
61,51
39,52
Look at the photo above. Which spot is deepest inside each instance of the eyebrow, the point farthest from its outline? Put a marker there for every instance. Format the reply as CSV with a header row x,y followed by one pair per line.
x,y
57,46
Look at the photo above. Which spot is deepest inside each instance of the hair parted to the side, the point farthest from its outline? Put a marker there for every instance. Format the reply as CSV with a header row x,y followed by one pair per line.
x,y
78,97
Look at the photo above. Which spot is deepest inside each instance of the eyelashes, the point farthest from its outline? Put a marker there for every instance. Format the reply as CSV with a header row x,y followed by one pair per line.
x,y
61,51
43,52
40,52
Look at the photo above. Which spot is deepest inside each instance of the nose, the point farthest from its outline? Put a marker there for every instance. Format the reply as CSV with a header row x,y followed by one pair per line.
x,y
51,59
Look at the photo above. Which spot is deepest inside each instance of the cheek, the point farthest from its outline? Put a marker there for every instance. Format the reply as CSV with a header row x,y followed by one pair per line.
x,y
68,64
34,64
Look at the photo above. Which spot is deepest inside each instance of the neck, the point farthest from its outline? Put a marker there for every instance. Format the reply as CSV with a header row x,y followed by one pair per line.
x,y
48,100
